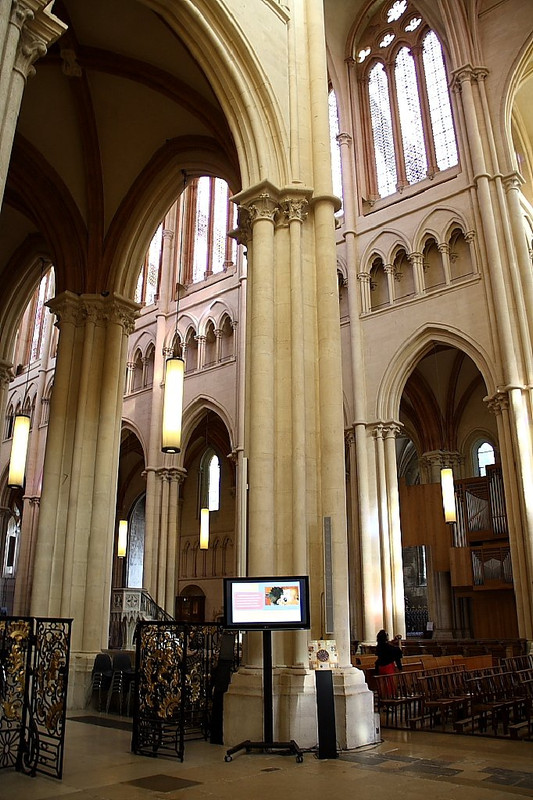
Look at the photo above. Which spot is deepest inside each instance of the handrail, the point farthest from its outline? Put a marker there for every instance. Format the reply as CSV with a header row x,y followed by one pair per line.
x,y
128,607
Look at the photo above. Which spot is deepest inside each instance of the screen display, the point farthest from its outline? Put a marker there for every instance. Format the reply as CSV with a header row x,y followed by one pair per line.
x,y
266,603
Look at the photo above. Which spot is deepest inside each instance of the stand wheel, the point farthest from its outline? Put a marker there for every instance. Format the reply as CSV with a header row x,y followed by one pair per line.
x,y
228,758
299,759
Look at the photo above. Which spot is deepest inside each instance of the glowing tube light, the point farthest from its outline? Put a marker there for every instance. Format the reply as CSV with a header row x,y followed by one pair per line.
x,y
448,494
204,529
122,538
172,405
19,451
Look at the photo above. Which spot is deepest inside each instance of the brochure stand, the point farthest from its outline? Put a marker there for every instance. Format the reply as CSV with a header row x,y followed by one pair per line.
x,y
267,746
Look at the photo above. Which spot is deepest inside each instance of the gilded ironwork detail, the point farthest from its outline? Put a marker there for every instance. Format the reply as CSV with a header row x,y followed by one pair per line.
x,y
32,712
173,693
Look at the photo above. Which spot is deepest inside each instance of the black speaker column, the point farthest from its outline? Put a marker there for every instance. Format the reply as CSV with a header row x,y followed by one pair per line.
x,y
325,706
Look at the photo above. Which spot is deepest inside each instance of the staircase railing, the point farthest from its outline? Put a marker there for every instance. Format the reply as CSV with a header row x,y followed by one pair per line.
x,y
128,607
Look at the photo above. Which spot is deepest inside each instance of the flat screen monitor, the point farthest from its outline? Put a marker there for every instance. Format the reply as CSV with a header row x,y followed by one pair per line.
x,y
267,603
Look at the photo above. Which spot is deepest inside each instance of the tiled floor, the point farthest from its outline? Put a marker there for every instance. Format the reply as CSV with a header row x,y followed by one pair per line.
x,y
98,765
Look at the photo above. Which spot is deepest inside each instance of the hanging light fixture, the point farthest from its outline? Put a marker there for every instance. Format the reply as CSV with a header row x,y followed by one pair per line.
x,y
122,538
446,473
174,369
19,451
448,494
204,511
21,424
204,529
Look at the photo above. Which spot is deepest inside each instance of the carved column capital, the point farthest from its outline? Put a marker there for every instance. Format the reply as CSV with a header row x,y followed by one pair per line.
x,y
38,28
292,209
344,140
497,403
513,182
100,309
416,258
177,474
6,373
262,207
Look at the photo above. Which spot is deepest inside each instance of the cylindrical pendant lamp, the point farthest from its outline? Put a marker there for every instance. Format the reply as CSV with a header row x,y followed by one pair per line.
x,y
204,528
122,538
172,405
448,494
19,452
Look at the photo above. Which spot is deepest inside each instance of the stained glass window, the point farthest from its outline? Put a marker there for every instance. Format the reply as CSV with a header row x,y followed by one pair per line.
x,y
439,102
380,113
425,118
148,279
396,10
37,314
220,225
410,117
201,231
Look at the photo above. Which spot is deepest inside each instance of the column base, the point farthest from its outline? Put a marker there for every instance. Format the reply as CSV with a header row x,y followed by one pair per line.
x,y
295,712
79,680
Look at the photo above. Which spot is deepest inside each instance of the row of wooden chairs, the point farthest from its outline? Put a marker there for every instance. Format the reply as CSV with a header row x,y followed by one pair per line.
x,y
492,697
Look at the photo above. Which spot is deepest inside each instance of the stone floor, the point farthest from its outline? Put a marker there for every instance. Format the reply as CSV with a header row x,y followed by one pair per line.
x,y
98,765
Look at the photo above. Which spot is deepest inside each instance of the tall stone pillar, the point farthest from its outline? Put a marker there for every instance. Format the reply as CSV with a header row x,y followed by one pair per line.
x,y
440,596
73,556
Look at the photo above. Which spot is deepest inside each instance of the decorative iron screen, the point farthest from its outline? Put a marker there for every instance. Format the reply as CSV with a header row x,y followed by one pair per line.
x,y
173,685
34,660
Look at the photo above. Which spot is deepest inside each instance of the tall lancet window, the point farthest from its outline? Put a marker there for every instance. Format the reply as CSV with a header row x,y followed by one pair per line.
x,y
406,111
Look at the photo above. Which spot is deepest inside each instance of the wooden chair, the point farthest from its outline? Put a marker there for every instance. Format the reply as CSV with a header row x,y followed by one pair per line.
x,y
399,697
444,696
490,701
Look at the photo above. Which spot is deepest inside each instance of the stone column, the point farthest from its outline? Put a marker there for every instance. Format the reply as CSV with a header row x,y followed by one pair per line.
x,y
176,478
364,282
385,552
444,250
261,402
440,601
417,263
26,31
73,558
519,543
201,351
390,432
130,371
391,274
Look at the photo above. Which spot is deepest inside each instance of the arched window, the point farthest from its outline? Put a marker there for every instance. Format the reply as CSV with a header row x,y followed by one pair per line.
x,y
210,480
149,366
226,340
29,342
483,456
191,351
137,382
149,275
407,112
210,352
207,215
10,417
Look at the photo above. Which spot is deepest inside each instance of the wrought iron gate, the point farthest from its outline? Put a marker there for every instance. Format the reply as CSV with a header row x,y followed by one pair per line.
x,y
34,660
173,685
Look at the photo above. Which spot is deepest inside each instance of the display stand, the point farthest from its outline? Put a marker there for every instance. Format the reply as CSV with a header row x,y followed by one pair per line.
x,y
267,746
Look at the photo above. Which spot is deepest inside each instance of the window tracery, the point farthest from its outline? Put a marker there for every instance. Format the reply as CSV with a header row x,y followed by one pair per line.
x,y
406,104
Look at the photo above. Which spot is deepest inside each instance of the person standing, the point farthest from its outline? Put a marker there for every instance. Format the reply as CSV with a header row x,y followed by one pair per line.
x,y
389,654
